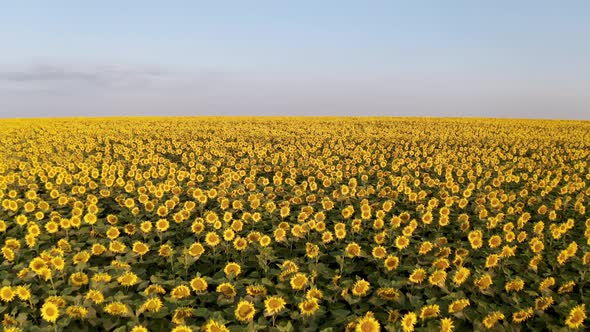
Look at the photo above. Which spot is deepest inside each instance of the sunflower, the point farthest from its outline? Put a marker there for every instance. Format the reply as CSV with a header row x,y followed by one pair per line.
x,y
522,315
492,261
139,328
461,275
182,328
7,294
514,285
327,237
401,242
309,307
543,303
408,322
361,288
567,287
311,250
81,257
256,290
458,305
368,323
214,326
229,234
199,284
245,311
116,309
429,311
37,264
274,304
446,325
196,250
162,225
23,292
8,254
165,250
153,304
146,226
154,289
226,289
79,279
264,241
425,247
102,277
391,262
50,312
298,281
438,278
128,279
417,276
180,292
140,248
117,247
576,317
388,293
232,269
95,296
76,312
546,284
491,319
240,243
98,249
379,252
197,227
279,234
483,282
113,233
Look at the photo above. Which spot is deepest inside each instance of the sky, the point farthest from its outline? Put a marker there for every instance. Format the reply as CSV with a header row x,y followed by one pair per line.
x,y
516,59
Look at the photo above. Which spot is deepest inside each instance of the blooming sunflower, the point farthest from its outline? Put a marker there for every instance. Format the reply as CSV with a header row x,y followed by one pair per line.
x,y
140,248
49,312
429,311
391,262
446,325
199,284
361,288
153,304
309,307
491,319
7,294
212,239
139,328
226,289
274,304
368,323
128,279
543,303
245,311
182,328
408,322
401,242
417,276
576,317
522,315
232,269
116,309
298,281
438,278
458,305
180,292
214,326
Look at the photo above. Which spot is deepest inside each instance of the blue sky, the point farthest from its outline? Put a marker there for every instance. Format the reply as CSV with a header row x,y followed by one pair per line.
x,y
441,58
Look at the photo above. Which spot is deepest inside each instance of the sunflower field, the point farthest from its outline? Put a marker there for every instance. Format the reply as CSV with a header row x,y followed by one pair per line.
x,y
294,224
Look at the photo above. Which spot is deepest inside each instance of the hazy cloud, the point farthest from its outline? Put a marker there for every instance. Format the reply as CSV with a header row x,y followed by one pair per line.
x,y
56,76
